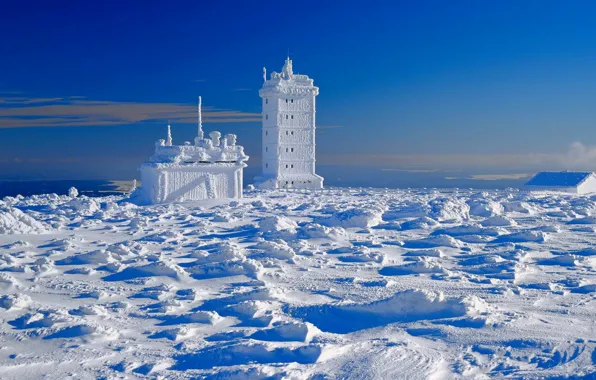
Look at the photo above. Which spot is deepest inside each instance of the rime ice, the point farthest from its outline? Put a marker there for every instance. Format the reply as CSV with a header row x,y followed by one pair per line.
x,y
211,168
289,131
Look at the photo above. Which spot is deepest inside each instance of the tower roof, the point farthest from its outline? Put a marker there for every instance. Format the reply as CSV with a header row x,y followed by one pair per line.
x,y
288,83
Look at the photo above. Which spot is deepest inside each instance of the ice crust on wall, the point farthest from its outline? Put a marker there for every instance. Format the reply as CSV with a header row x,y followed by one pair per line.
x,y
212,168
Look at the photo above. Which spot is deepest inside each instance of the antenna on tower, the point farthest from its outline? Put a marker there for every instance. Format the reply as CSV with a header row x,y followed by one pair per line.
x,y
200,134
169,140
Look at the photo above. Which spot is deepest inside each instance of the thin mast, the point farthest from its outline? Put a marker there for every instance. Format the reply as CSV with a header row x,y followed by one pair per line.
x,y
200,121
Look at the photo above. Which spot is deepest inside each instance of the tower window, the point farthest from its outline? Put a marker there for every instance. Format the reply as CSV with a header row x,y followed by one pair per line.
x,y
292,133
286,117
266,117
266,165
292,100
292,149
292,116
286,149
286,166
266,149
286,133
266,101
292,166
266,133
286,100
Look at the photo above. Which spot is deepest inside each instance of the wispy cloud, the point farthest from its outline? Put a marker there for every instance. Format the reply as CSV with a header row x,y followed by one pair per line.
x,y
493,177
580,156
437,161
23,112
577,157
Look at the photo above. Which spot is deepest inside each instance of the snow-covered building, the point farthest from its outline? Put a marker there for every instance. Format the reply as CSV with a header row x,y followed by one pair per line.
x,y
288,133
568,182
211,168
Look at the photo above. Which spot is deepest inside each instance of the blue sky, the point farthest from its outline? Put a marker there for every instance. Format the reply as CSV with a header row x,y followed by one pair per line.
x,y
87,87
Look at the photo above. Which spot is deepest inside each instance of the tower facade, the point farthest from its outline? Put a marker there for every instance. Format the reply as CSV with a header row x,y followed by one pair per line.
x,y
288,133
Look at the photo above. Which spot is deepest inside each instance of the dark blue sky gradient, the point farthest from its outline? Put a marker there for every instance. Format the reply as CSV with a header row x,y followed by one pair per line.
x,y
415,78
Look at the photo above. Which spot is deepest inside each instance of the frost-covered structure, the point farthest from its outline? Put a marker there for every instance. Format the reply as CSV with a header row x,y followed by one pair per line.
x,y
211,168
568,182
288,131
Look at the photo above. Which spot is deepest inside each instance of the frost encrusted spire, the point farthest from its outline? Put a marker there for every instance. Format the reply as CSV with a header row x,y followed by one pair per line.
x,y
200,134
169,140
287,69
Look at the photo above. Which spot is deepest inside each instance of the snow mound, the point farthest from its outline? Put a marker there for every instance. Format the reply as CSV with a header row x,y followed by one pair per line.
x,y
201,317
404,306
523,237
468,229
424,223
317,231
353,218
420,266
83,206
14,301
277,249
88,332
485,208
222,252
498,221
164,268
434,241
363,256
246,353
236,267
13,221
292,331
449,210
96,257
278,227
433,252
584,220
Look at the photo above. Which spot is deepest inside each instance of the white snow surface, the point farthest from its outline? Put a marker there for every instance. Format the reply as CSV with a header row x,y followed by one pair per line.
x,y
325,284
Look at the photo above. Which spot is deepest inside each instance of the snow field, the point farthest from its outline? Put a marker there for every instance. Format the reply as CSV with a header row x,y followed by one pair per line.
x,y
342,283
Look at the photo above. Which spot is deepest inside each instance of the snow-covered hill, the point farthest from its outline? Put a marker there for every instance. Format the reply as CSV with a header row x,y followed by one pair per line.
x,y
350,283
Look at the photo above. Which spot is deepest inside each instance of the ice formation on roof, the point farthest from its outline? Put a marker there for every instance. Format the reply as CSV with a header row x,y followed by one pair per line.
x,y
569,182
211,168
563,179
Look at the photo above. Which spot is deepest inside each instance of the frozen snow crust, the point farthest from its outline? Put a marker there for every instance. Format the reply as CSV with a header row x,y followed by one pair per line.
x,y
336,283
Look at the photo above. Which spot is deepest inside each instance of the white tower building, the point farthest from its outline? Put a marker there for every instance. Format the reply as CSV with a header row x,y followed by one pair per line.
x,y
288,131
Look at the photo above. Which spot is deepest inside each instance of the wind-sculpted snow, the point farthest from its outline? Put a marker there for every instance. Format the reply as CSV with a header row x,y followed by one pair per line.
x,y
338,283
14,221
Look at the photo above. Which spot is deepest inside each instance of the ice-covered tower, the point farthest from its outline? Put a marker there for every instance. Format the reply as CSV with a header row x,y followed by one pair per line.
x,y
288,131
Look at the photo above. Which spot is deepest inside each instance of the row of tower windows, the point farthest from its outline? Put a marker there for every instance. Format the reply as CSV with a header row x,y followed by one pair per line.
x,y
291,149
291,166
287,133
291,101
267,117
